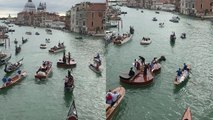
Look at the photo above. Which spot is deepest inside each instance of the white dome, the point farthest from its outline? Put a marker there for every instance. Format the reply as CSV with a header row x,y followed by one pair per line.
x,y
29,6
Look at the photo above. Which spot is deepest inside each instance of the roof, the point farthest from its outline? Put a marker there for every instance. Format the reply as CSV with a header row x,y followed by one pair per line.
x,y
97,7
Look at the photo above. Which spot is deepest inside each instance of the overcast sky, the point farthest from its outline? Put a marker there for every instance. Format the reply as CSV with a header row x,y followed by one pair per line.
x,y
59,6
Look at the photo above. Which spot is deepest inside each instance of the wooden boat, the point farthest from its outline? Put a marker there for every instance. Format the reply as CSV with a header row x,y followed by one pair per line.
x,y
157,12
72,113
14,79
154,19
17,49
157,66
92,67
4,58
43,46
184,77
37,33
78,37
56,49
16,41
122,39
187,114
66,61
110,110
24,40
174,19
145,41
28,33
12,67
137,79
47,40
183,36
172,37
49,31
2,42
161,25
44,70
69,82
2,55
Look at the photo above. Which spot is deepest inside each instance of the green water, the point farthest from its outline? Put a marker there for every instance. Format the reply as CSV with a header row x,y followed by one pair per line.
x,y
46,100
160,100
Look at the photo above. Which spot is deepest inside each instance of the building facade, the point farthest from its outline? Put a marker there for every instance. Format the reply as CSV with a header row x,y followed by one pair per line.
x,y
203,7
31,16
88,18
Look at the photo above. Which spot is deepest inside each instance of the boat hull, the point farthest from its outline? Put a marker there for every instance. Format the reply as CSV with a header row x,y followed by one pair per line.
x,y
56,51
66,65
187,114
94,69
125,40
15,79
19,64
110,110
139,79
5,60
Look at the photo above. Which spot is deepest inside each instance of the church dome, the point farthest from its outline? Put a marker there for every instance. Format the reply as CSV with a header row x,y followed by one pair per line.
x,y
29,6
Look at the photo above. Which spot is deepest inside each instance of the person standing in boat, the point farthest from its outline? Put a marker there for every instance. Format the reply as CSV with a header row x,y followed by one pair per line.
x,y
64,58
179,73
185,67
115,95
153,63
69,57
109,97
97,56
131,72
145,70
142,60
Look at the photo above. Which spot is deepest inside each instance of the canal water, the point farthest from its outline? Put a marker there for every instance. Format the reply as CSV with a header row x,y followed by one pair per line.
x,y
161,100
46,100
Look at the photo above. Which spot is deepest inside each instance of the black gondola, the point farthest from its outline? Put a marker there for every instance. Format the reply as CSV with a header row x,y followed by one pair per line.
x,y
9,68
72,113
18,49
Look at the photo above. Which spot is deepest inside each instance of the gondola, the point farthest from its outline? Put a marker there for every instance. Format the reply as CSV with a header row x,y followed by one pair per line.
x,y
92,67
9,81
17,49
44,70
66,61
58,48
69,82
183,78
43,46
110,110
187,114
72,113
137,79
9,68
5,59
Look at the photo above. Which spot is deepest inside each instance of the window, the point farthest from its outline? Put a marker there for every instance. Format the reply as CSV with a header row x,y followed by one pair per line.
x,y
92,23
193,6
100,14
76,22
84,23
92,15
201,6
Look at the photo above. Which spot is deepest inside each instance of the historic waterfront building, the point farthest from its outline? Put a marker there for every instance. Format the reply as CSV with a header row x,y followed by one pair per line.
x,y
38,17
196,7
88,18
187,7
